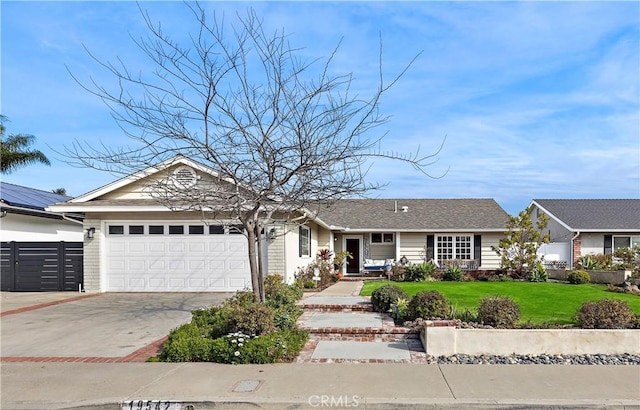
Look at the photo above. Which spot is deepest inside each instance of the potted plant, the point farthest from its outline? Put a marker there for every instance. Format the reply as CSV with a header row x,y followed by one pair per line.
x,y
339,260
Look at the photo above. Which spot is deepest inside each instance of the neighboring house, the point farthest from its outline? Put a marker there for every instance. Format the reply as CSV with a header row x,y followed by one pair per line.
x,y
580,227
41,250
138,244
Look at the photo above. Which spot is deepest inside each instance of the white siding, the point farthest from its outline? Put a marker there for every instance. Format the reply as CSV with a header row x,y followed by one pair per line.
x,y
91,257
412,245
28,228
490,260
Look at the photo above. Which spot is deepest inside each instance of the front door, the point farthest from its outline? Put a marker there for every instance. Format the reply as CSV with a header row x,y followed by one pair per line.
x,y
352,245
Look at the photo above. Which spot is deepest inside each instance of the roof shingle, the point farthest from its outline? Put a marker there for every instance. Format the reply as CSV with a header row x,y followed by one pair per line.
x,y
420,215
595,214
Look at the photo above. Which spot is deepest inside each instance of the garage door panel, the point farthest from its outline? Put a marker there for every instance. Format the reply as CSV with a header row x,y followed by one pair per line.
x,y
157,284
176,263
157,247
236,283
237,265
117,265
198,247
137,265
217,284
157,265
177,247
137,248
217,247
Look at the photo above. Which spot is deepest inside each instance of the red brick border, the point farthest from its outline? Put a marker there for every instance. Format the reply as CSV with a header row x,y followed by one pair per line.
x,y
140,355
46,304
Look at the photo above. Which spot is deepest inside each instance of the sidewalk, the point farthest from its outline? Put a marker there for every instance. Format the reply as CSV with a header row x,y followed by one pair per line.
x,y
367,386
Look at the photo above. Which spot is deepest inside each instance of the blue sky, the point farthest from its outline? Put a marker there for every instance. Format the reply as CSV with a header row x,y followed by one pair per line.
x,y
536,99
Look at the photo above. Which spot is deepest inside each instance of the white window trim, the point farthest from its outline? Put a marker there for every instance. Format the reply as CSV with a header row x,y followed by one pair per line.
x,y
436,250
393,238
631,238
300,237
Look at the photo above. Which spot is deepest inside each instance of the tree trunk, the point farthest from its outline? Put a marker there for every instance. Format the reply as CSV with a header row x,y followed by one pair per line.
x,y
253,263
261,272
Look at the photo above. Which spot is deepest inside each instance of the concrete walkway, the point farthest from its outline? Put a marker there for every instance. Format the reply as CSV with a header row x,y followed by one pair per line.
x,y
344,329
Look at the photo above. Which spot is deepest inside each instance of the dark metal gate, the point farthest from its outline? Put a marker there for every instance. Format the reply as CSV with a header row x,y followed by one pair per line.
x,y
41,266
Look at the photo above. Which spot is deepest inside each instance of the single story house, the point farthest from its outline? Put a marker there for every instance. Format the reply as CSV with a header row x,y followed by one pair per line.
x,y
134,243
579,227
41,250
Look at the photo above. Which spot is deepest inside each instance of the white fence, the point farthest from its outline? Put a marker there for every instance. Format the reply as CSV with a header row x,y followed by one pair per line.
x,y
556,254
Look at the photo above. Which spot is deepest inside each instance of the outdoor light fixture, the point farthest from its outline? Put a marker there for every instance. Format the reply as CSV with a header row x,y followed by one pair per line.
x,y
90,232
272,233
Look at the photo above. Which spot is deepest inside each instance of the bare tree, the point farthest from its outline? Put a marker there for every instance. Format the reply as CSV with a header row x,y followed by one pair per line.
x,y
282,132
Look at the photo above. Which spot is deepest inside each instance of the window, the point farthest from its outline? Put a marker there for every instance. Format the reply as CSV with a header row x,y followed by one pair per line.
x,y
381,238
304,241
116,230
216,229
625,242
176,230
156,230
136,229
196,230
454,247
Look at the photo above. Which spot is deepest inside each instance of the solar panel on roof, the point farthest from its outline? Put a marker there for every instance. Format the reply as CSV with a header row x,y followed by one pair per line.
x,y
29,197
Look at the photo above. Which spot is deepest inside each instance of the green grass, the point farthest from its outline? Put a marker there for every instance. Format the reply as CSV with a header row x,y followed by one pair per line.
x,y
554,303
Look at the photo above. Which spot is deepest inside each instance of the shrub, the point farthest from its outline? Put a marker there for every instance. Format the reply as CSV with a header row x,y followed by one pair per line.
x,y
240,348
429,305
605,314
418,272
278,294
578,277
397,273
187,343
383,297
538,274
305,275
255,319
400,310
498,311
452,273
214,322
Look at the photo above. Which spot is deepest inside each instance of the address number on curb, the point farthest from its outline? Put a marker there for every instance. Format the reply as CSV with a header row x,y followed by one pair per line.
x,y
151,405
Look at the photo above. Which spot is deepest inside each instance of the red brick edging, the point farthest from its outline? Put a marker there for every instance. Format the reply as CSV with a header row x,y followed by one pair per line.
x,y
140,355
47,304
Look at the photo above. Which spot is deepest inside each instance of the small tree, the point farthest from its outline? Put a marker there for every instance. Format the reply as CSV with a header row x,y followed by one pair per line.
x,y
282,133
518,250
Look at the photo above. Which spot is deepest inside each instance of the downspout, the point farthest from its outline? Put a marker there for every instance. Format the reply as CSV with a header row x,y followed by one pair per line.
x,y
571,250
66,218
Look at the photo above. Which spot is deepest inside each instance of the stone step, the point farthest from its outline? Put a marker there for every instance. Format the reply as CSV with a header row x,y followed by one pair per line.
x,y
354,326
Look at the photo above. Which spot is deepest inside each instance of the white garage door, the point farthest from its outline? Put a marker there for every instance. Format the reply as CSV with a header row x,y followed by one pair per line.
x,y
157,257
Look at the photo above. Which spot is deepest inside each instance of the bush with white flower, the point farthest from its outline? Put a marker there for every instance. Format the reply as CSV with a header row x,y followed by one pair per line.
x,y
240,331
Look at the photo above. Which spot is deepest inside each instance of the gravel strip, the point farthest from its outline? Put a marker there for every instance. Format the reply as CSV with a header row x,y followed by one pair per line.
x,y
587,359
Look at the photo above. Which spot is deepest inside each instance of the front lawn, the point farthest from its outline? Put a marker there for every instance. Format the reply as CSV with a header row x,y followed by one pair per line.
x,y
554,303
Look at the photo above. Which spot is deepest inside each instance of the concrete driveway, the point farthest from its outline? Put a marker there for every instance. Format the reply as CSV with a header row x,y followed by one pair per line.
x,y
109,325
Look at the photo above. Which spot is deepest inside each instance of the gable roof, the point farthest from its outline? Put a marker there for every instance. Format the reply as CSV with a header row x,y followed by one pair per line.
x,y
442,215
593,214
176,160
